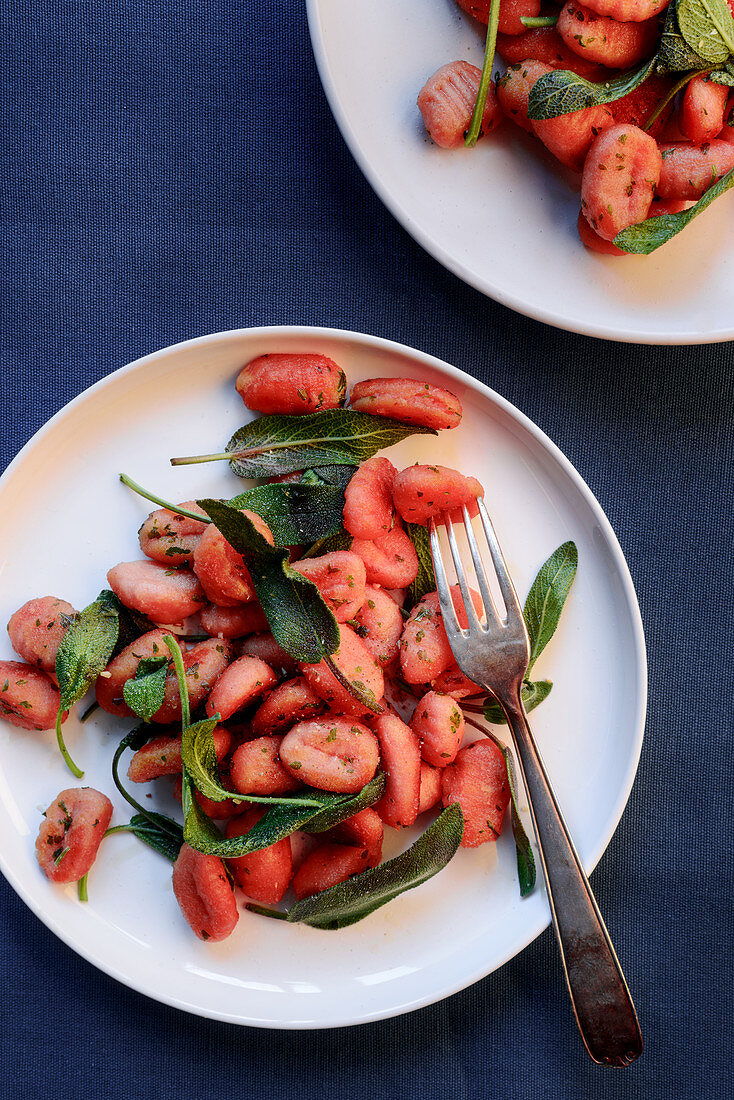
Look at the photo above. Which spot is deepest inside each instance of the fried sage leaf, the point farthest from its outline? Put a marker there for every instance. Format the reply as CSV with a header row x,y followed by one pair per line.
x,y
334,813
145,691
724,76
298,513
274,445
561,92
674,54
159,832
533,692
84,652
325,811
647,236
708,28
131,624
351,901
298,617
547,596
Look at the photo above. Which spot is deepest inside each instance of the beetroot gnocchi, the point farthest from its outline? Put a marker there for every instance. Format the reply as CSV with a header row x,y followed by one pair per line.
x,y
230,713
595,41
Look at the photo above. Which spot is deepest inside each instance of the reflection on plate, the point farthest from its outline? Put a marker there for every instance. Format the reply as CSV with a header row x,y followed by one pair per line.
x,y
432,941
500,216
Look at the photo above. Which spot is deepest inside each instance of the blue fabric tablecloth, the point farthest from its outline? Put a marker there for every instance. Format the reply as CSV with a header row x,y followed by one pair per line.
x,y
171,170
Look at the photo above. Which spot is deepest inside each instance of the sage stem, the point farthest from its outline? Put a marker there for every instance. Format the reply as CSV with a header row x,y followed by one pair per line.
x,y
475,126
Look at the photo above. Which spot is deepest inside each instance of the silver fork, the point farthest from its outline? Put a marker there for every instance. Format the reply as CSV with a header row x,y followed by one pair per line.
x,y
496,656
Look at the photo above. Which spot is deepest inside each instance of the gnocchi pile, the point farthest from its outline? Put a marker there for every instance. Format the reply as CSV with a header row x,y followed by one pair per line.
x,y
621,97
313,741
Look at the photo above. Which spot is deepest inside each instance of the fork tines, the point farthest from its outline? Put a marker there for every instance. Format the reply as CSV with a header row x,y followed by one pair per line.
x,y
513,611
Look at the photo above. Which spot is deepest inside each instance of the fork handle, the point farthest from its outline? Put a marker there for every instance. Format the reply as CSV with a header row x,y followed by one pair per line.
x,y
601,1000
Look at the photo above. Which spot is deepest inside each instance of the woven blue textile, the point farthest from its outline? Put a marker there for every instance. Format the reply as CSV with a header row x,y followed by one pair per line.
x,y
173,169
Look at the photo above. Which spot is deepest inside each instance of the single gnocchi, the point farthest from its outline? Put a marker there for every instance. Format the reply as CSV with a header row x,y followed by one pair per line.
x,y
606,40
687,171
36,629
326,866
73,828
477,780
170,538
620,176
439,726
409,400
368,508
401,761
256,768
446,103
285,705
245,680
357,665
266,874
331,753
422,492
221,571
291,384
204,894
28,698
164,594
340,577
390,561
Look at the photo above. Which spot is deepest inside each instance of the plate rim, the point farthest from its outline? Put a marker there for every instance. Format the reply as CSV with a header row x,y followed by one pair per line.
x,y
622,570
452,263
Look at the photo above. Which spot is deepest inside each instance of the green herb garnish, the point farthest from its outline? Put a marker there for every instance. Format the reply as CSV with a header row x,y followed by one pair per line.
x,y
647,236
145,691
274,445
84,652
475,126
298,616
351,901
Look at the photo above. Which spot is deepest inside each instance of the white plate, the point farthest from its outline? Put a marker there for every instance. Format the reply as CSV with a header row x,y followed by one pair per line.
x,y
500,216
69,519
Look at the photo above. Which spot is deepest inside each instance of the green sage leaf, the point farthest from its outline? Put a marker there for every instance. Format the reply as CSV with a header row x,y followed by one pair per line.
x,y
724,76
85,651
708,28
200,759
338,476
547,596
144,693
533,692
425,581
523,848
645,237
561,92
351,901
310,808
298,617
333,813
157,831
296,513
674,54
341,437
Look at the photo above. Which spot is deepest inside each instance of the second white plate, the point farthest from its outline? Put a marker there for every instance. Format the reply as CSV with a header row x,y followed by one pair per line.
x,y
502,216
67,519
